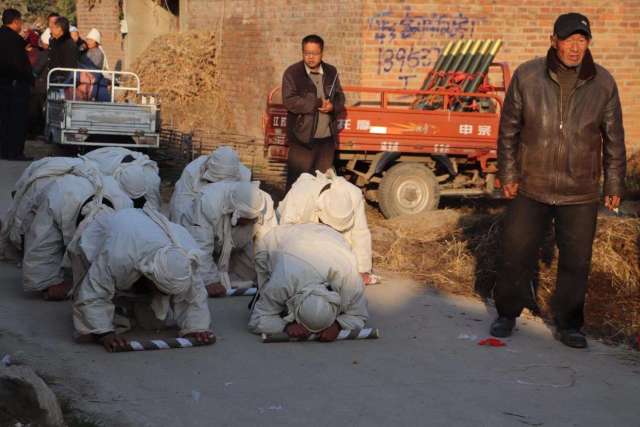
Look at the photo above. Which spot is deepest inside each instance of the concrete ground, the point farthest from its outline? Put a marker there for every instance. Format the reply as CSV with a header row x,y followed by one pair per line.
x,y
427,369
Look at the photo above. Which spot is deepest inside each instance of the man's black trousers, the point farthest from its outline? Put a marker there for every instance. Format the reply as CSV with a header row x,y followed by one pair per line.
x,y
318,155
526,224
14,109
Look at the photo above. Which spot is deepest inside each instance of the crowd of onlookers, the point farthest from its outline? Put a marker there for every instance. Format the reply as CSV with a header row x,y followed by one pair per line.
x,y
27,54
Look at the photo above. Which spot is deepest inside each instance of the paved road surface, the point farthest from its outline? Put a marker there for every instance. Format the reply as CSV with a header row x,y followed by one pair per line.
x,y
422,372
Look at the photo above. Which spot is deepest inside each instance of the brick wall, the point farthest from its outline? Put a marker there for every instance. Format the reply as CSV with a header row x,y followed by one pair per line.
x,y
393,31
389,43
105,16
260,38
394,43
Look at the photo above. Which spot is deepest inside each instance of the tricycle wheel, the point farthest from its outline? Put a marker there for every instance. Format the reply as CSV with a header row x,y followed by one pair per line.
x,y
407,189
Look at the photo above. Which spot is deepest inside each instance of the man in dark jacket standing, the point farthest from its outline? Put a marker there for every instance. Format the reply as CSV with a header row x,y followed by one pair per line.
x,y
15,85
561,127
313,97
63,51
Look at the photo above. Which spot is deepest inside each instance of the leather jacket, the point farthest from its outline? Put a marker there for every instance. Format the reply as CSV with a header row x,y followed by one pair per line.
x,y
557,157
299,96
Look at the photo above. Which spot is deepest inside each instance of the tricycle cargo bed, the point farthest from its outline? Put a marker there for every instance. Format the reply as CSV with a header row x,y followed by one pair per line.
x,y
407,148
78,114
113,118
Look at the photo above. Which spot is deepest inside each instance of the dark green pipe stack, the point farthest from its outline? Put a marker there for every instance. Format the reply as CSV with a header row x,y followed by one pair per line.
x,y
437,67
477,76
471,57
452,61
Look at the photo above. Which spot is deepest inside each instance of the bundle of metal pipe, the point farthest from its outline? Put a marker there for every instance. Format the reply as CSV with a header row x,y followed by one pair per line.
x,y
431,77
471,85
477,76
463,64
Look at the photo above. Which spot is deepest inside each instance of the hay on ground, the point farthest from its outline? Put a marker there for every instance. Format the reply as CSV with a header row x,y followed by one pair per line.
x,y
459,253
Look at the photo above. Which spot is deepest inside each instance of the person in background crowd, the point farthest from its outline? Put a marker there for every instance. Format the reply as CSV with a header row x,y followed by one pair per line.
x,y
93,56
45,39
16,79
33,46
75,36
51,19
38,95
74,33
37,59
63,52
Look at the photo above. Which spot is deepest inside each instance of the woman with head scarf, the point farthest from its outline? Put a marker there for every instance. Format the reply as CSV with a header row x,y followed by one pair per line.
x,y
93,57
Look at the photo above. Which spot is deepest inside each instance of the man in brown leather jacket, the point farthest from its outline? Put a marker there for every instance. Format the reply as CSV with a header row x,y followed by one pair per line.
x,y
313,97
561,128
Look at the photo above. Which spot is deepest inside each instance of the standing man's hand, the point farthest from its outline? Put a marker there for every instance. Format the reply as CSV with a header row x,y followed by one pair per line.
x,y
296,330
612,202
327,106
510,191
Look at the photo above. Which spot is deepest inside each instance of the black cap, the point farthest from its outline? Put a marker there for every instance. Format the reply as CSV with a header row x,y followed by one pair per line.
x,y
571,23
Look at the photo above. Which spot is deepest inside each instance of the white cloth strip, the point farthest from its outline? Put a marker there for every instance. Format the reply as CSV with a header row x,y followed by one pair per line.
x,y
343,334
136,346
364,332
242,291
160,344
184,342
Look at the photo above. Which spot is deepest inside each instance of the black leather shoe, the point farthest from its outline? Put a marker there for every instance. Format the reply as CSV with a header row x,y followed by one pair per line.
x,y
571,337
502,327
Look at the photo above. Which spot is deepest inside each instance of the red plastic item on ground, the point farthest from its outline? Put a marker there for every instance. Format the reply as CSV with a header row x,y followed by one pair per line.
x,y
492,342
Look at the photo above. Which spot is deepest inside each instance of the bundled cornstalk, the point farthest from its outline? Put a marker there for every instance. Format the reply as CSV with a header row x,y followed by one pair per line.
x,y
181,68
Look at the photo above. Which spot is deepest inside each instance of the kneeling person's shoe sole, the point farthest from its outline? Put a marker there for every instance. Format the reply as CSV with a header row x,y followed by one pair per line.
x,y
571,338
502,327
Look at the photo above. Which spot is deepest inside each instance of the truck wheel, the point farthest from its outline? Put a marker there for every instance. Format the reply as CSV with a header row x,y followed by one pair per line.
x,y
406,189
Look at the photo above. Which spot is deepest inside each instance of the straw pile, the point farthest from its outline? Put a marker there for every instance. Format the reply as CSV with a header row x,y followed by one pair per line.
x,y
182,69
459,253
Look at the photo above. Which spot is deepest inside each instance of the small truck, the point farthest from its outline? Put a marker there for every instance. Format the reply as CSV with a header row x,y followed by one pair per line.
x,y
404,157
100,108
